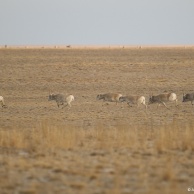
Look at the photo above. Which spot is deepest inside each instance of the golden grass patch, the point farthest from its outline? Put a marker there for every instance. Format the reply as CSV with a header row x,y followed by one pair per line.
x,y
160,138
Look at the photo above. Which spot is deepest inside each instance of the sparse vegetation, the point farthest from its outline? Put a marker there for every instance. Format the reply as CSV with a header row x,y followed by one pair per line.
x,y
154,156
171,137
95,147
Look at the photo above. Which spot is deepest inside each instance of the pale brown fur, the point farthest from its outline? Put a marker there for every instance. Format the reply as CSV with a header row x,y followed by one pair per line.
x,y
162,98
110,97
133,99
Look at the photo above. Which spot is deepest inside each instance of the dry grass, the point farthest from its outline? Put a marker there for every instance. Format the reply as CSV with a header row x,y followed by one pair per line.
x,y
151,154
95,147
174,136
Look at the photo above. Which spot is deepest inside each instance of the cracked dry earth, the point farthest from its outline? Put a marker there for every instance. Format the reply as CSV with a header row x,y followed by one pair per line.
x,y
95,147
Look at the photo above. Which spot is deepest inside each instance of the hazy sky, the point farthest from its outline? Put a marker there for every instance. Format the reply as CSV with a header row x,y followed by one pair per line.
x,y
102,22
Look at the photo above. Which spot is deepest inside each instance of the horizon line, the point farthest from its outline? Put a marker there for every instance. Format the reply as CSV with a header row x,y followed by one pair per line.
x,y
95,45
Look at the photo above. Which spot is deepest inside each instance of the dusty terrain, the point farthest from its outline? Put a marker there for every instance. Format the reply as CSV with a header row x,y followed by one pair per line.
x,y
112,148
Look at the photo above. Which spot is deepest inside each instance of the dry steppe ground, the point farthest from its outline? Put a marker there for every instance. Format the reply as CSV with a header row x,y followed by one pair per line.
x,y
95,147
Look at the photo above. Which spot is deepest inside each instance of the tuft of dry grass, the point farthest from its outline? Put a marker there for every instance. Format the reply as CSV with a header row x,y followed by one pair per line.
x,y
175,136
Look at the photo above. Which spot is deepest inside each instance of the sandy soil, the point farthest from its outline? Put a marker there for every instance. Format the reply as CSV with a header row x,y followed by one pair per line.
x,y
28,75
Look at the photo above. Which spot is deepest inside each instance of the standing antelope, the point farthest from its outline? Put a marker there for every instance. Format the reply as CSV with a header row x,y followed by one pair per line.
x,y
188,97
133,99
2,102
162,98
61,99
110,97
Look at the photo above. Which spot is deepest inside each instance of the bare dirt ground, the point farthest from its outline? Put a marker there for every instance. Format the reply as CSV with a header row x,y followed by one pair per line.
x,y
28,75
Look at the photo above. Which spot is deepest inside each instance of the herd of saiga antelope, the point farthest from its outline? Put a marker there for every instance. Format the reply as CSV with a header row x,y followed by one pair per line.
x,y
114,97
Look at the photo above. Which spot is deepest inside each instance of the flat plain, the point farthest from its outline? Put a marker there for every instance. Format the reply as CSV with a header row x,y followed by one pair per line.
x,y
95,147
